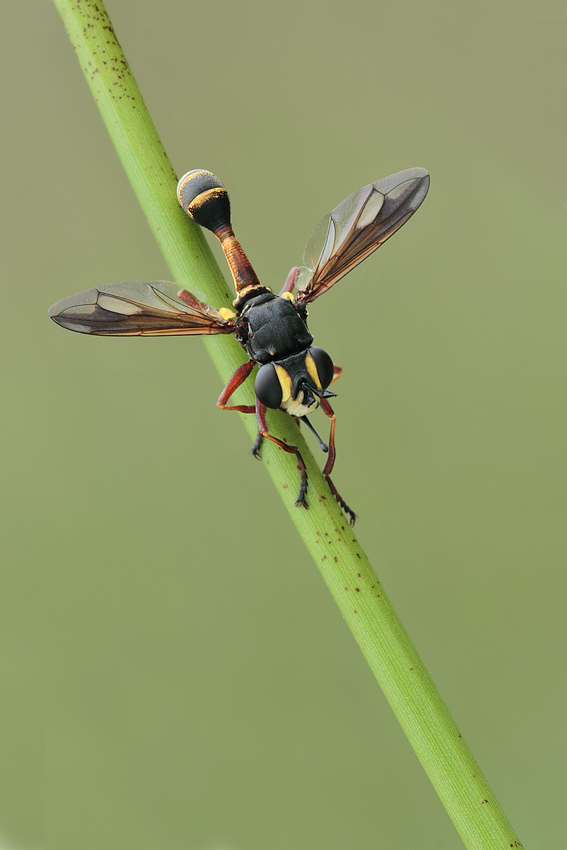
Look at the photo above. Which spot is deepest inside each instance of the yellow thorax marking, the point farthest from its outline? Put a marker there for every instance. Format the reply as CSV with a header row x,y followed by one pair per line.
x,y
240,293
312,369
288,295
285,381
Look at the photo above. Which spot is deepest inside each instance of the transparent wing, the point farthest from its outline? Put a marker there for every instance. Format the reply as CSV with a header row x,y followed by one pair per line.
x,y
356,228
138,308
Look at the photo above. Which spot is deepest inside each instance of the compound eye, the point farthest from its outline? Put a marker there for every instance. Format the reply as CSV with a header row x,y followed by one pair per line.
x,y
324,364
267,386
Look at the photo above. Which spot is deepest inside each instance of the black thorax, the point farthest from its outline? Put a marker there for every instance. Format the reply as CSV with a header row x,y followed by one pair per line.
x,y
272,328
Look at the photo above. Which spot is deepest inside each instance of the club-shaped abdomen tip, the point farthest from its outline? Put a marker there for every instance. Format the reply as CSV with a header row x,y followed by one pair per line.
x,y
204,199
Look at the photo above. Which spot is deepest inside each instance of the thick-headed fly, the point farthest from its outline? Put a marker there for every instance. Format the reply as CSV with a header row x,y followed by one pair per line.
x,y
293,374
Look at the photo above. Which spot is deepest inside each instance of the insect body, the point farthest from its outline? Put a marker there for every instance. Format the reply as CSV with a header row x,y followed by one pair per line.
x,y
293,375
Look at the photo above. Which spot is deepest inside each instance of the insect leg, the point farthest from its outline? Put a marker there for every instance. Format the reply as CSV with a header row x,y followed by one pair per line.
x,y
328,411
238,378
290,281
337,373
263,432
259,436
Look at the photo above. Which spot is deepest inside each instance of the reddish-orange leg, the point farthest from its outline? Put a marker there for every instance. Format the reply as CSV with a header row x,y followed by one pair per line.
x,y
263,432
290,281
259,409
238,378
328,468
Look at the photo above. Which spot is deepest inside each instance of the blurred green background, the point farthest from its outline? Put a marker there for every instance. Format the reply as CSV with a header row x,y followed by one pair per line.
x,y
202,691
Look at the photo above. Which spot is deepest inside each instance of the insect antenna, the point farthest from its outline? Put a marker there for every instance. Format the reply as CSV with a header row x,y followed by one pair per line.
x,y
323,445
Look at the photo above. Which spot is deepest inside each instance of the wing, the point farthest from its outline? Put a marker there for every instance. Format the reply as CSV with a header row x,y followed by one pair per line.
x,y
356,228
138,308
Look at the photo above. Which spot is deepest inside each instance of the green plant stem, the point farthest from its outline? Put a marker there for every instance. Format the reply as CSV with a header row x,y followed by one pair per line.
x,y
346,570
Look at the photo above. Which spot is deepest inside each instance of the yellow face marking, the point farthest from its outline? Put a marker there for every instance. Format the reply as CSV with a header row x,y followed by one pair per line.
x,y
285,381
226,313
296,407
288,295
312,369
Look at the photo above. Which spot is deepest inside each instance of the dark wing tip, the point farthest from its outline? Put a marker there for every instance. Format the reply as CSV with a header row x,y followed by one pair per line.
x,y
73,312
403,193
421,179
413,182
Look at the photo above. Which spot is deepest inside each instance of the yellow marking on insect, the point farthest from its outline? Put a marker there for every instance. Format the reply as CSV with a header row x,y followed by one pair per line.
x,y
312,369
288,295
226,313
246,290
285,382
296,407
201,200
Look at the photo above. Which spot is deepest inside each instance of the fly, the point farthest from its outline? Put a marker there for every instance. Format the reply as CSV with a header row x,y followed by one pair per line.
x,y
293,375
